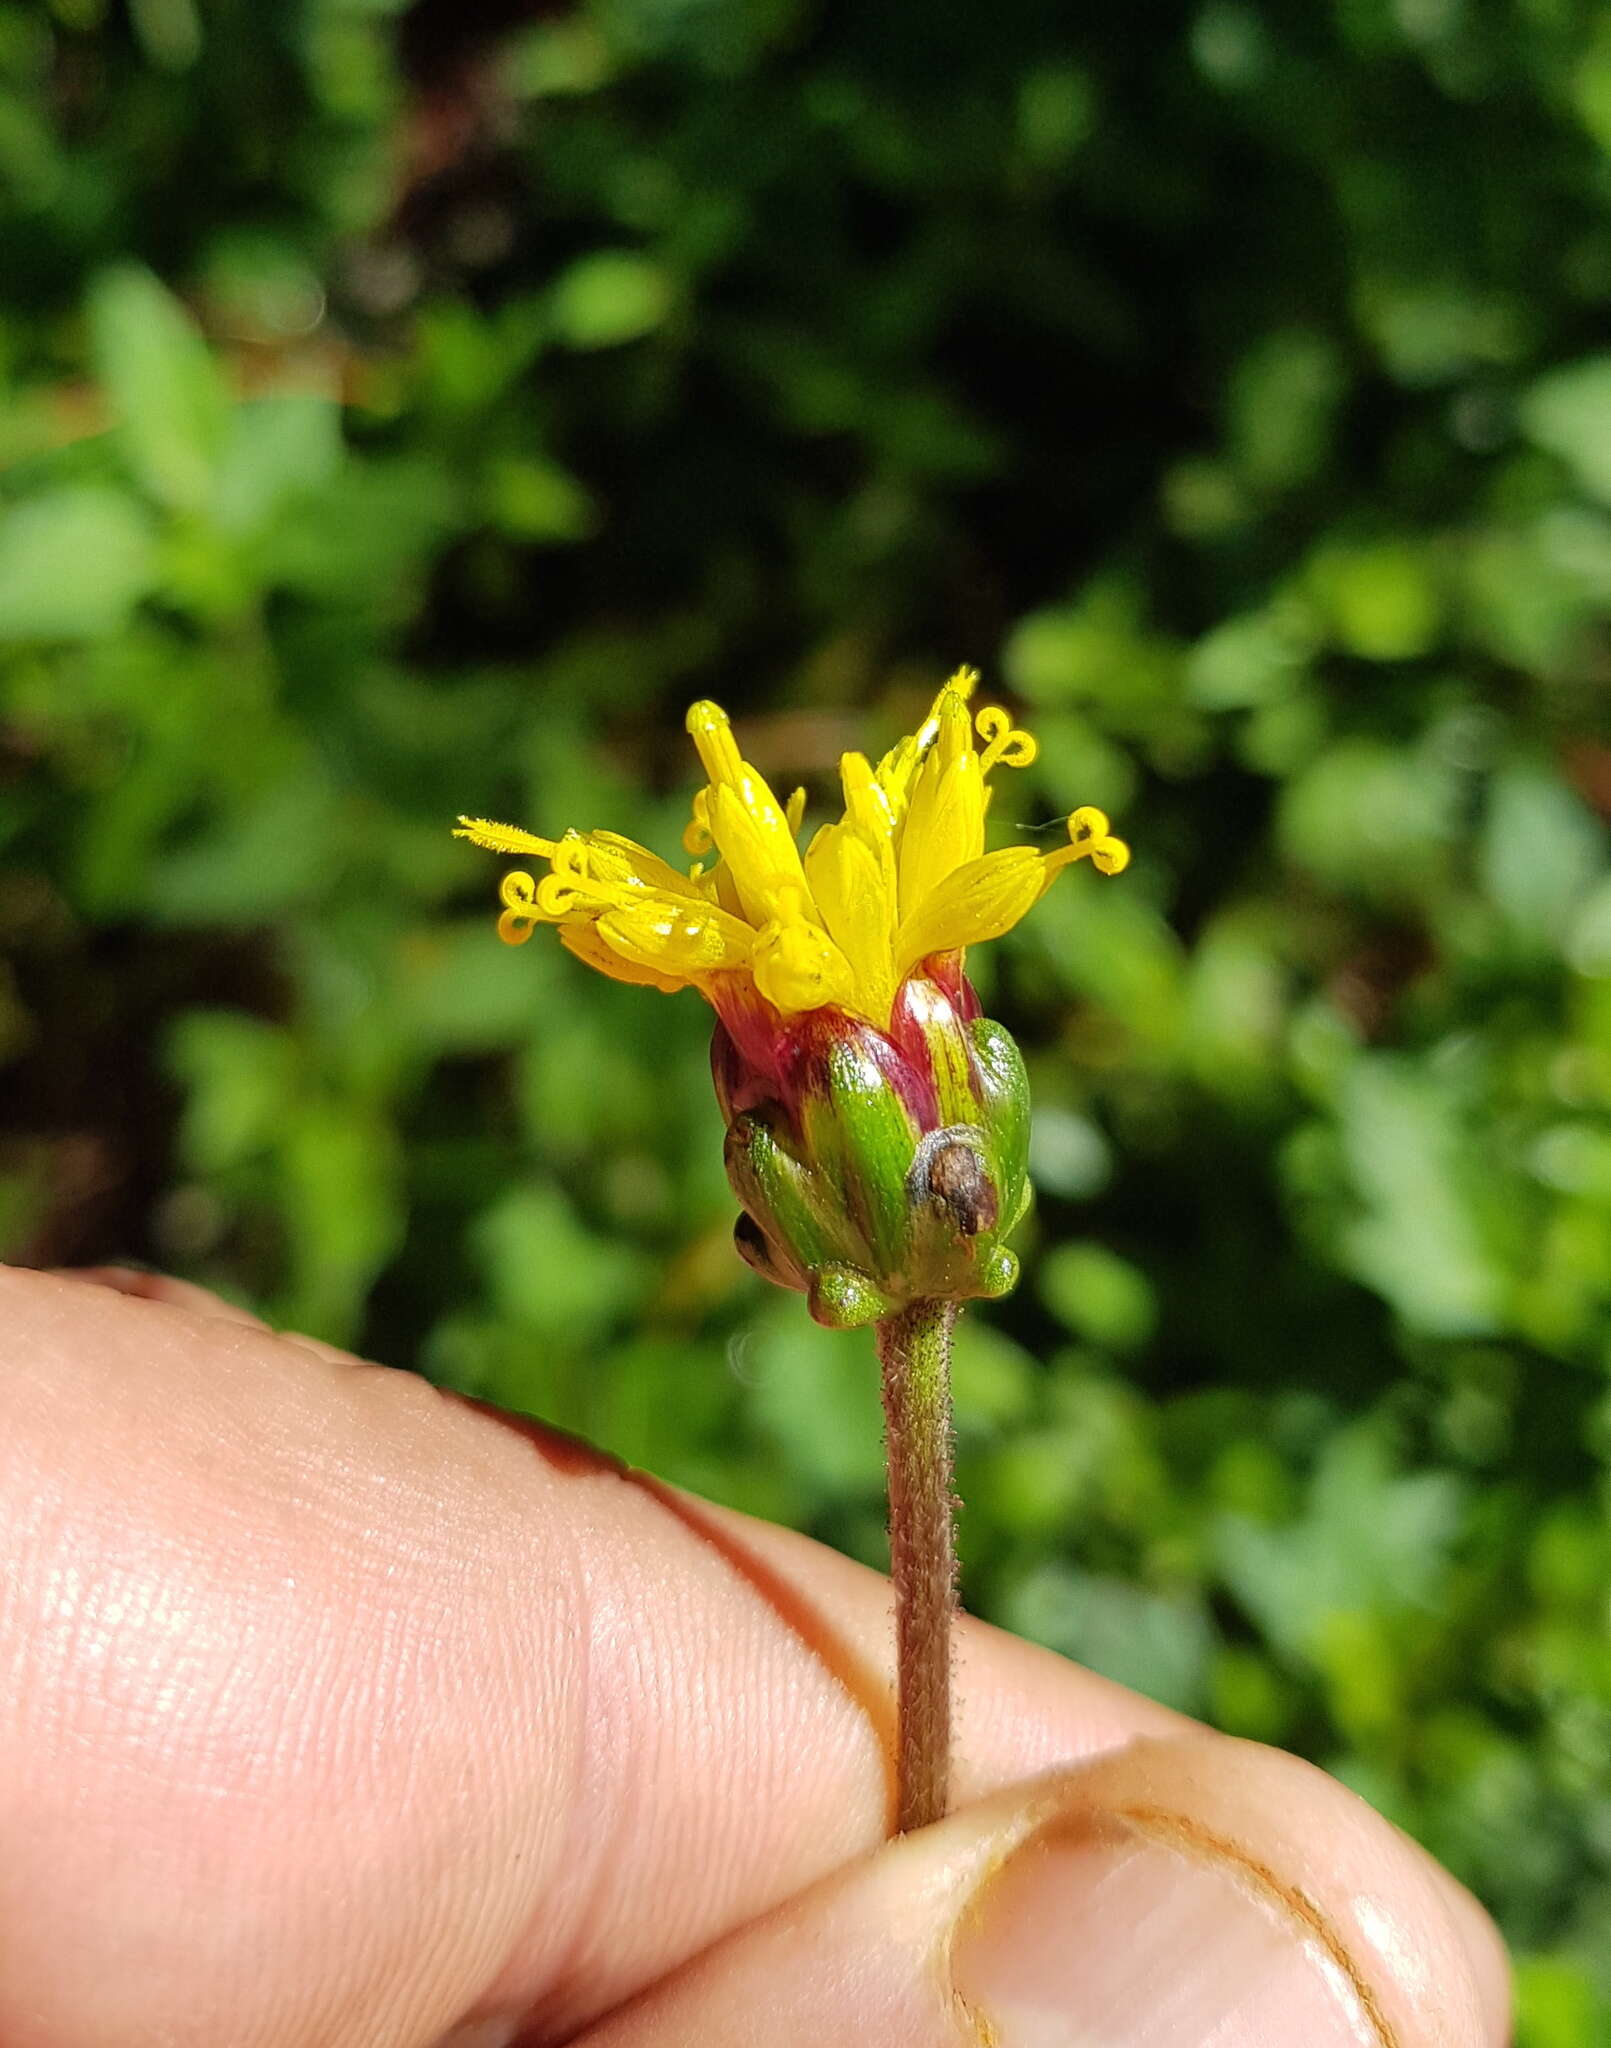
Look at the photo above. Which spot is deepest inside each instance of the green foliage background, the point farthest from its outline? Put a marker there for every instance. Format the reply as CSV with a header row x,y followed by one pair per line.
x,y
410,412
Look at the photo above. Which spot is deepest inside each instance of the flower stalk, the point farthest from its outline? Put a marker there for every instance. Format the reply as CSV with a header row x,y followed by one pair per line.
x,y
914,1353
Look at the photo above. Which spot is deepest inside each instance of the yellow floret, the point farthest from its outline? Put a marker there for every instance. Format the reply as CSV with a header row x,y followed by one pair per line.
x,y
901,876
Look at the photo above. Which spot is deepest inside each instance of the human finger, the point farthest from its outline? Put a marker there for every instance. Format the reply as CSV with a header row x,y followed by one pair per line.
x,y
464,1723
1189,1892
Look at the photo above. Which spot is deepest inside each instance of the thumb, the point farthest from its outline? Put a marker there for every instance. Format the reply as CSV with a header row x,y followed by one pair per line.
x,y
1187,1893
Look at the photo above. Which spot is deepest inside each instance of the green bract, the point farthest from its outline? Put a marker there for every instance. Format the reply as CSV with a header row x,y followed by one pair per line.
x,y
879,1168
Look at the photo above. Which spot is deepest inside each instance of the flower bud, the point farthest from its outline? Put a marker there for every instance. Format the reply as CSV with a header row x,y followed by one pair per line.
x,y
877,1168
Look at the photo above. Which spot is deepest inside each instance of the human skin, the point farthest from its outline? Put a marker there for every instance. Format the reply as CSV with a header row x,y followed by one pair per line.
x,y
336,1712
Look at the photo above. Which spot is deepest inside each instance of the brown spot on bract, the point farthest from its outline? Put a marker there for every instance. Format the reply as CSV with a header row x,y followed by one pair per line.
x,y
959,1183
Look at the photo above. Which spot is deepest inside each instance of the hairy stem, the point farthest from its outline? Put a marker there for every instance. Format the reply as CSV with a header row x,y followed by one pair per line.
x,y
914,1350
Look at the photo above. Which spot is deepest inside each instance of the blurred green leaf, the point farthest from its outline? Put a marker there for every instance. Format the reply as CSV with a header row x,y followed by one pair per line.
x,y
1558,2003
1258,659
278,451
259,861
74,562
167,391
1420,1240
1068,1155
1541,853
343,1211
992,1378
1370,1542
1158,1643
1096,651
1098,1295
1283,400
816,1391
537,501
609,298
1568,412
1371,816
558,1280
239,1076
1380,600
1247,1697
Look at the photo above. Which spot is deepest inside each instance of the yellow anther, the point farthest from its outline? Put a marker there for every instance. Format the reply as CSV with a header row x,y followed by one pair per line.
x,y
794,811
1006,745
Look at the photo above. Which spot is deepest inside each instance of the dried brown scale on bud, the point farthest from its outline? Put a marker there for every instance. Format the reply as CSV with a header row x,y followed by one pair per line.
x,y
955,1180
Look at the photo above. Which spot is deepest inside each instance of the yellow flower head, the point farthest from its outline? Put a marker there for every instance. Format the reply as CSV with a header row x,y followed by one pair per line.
x,y
901,877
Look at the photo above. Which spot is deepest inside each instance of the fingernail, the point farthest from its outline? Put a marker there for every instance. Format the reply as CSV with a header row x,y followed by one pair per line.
x,y
1101,1935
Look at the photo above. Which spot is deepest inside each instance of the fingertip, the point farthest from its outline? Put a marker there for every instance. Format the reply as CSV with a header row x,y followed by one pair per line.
x,y
1242,1894
1178,1891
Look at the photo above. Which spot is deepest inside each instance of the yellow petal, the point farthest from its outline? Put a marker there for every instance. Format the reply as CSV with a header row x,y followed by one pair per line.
x,y
583,940
626,861
749,826
978,901
854,889
867,806
675,938
753,831
711,730
944,825
898,768
718,885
